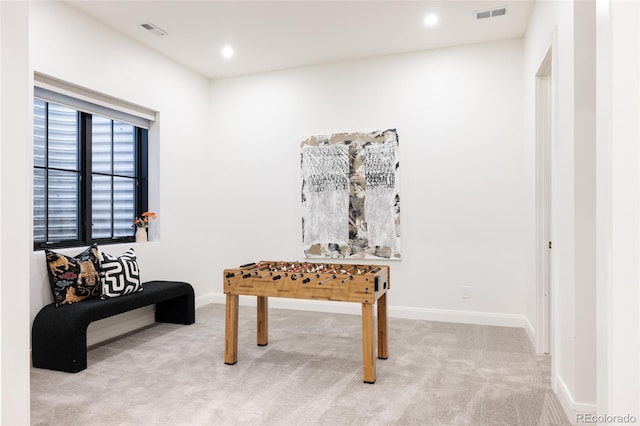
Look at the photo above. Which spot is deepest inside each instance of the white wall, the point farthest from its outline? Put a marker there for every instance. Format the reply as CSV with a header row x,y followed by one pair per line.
x,y
15,181
551,26
466,197
585,198
595,214
70,46
619,213
227,154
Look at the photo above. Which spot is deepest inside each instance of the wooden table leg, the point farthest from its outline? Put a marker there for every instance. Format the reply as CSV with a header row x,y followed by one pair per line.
x,y
263,321
383,348
231,330
368,351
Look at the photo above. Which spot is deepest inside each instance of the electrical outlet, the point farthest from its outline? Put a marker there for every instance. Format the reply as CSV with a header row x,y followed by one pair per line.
x,y
466,292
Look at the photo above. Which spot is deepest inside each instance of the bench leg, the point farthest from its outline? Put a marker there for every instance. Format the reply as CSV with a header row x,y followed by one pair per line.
x,y
180,310
64,349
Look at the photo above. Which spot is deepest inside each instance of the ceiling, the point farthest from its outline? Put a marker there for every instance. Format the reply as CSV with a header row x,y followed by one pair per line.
x,y
271,35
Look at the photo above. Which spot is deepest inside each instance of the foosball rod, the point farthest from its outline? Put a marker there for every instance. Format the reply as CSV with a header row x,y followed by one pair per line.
x,y
333,277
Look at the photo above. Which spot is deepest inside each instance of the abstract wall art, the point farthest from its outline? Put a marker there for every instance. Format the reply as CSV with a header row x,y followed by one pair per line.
x,y
350,196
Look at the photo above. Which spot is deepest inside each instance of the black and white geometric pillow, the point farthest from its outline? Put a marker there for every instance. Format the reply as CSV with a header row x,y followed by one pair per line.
x,y
120,275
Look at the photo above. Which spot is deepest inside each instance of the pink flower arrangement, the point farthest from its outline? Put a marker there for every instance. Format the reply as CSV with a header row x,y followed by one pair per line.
x,y
143,221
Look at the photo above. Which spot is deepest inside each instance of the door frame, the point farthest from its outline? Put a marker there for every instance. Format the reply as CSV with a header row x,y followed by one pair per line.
x,y
544,258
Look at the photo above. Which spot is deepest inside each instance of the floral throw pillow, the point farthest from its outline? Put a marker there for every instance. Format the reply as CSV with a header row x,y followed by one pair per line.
x,y
120,275
76,278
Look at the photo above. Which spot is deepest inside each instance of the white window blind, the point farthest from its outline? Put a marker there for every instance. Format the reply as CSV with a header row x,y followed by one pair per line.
x,y
82,99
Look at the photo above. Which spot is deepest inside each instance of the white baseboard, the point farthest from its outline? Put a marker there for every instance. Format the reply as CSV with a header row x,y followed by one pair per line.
x,y
571,407
109,328
405,312
205,299
464,317
117,325
531,332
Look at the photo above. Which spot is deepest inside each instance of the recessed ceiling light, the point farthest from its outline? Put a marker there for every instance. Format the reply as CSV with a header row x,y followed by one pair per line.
x,y
431,20
227,52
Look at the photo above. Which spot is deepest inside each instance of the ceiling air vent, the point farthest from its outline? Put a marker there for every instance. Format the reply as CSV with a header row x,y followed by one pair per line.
x,y
153,28
498,12
490,13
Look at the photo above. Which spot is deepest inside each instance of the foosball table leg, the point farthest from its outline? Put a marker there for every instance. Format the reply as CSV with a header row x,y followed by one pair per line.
x,y
368,338
231,330
383,348
263,320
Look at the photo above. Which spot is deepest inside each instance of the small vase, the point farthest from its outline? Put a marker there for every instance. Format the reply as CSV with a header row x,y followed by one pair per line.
x,y
141,235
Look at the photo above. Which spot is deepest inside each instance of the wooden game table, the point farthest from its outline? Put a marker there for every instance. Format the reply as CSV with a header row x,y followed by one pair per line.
x,y
365,284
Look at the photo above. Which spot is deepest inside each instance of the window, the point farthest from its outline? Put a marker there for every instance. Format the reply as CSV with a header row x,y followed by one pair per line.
x,y
90,175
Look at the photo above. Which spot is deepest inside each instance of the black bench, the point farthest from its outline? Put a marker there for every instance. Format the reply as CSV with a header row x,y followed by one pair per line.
x,y
59,334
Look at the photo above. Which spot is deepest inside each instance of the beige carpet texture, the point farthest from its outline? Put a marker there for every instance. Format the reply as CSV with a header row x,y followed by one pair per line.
x,y
310,373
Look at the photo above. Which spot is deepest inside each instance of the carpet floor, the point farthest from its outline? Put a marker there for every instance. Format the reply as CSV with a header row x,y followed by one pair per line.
x,y
310,373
